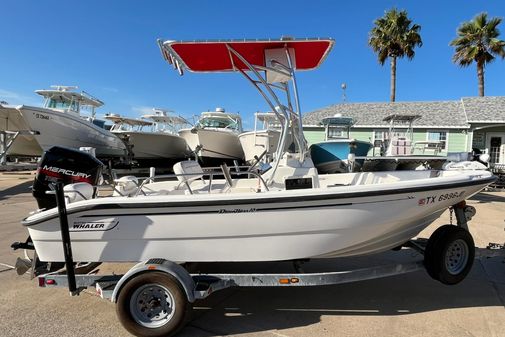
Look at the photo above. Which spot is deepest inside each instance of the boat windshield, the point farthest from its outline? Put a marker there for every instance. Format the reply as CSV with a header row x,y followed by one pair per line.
x,y
337,132
126,127
220,123
62,104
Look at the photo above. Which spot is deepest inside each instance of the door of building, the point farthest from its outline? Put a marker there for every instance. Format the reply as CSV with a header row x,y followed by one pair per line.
x,y
495,143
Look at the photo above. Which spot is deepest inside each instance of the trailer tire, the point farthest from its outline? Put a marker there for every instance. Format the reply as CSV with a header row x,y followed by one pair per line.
x,y
152,304
429,258
449,254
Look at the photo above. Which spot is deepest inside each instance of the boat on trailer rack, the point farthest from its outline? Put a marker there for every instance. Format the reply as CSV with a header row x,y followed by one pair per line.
x,y
267,216
155,297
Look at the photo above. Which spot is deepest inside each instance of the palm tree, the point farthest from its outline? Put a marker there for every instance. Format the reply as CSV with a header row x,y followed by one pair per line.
x,y
394,36
478,42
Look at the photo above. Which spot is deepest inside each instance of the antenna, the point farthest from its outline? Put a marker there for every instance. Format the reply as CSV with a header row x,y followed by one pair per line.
x,y
344,96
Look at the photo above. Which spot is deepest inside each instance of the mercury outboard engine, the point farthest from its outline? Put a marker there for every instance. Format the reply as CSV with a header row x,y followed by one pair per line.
x,y
65,165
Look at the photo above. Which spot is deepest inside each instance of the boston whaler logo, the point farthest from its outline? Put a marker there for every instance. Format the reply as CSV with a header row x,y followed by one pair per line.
x,y
90,226
236,210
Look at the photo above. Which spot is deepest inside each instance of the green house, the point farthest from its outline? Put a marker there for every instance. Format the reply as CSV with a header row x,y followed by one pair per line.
x,y
463,125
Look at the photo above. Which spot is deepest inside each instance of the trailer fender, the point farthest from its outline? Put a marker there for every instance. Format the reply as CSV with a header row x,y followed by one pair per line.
x,y
159,265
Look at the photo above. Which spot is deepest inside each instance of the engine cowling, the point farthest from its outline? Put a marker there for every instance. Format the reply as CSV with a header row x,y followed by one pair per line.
x,y
66,165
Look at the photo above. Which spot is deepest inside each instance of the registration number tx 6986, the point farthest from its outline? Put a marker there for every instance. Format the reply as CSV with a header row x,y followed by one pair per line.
x,y
440,197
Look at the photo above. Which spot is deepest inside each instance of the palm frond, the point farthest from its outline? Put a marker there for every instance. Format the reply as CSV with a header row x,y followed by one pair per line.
x,y
394,35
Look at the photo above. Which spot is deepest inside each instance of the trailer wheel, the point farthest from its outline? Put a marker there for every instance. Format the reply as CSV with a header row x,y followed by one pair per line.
x,y
429,250
152,304
449,254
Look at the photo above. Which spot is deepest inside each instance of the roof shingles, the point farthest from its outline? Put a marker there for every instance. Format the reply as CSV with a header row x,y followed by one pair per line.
x,y
433,114
485,109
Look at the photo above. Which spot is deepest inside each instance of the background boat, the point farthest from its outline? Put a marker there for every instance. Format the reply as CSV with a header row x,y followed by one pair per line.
x,y
14,128
397,150
261,142
150,141
331,156
60,122
214,138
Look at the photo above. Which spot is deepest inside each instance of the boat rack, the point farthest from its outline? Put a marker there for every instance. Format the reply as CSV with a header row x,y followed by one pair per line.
x,y
7,138
201,286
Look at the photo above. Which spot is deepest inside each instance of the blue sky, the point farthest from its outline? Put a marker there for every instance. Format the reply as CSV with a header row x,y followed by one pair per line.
x,y
108,48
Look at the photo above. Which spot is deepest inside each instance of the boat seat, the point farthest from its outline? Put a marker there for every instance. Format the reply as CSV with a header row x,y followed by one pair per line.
x,y
187,172
125,186
77,192
227,175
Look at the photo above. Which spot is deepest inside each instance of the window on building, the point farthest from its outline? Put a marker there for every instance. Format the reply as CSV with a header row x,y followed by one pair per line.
x,y
378,137
437,136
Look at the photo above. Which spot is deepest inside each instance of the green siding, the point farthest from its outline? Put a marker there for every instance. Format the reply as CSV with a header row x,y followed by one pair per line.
x,y
456,139
361,134
314,136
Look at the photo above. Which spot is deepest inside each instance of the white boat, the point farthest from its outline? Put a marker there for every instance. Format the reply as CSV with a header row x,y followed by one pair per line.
x,y
18,138
214,138
289,212
60,122
152,138
261,143
397,149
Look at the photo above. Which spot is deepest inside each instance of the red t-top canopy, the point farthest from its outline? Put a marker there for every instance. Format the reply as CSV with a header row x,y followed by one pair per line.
x,y
214,56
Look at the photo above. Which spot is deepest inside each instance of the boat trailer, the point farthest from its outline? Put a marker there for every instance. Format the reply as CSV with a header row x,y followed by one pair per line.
x,y
155,296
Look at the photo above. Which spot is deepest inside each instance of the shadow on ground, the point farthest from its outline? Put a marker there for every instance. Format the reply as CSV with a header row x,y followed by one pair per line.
x,y
484,197
14,190
255,310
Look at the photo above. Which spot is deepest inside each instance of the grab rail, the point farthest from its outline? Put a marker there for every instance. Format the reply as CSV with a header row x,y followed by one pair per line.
x,y
211,175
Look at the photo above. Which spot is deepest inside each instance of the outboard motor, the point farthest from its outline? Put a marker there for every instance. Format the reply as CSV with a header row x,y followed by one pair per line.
x,y
66,165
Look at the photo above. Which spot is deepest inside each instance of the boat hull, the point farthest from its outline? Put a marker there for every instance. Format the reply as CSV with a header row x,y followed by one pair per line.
x,y
331,156
254,143
215,144
151,145
24,144
259,227
66,129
